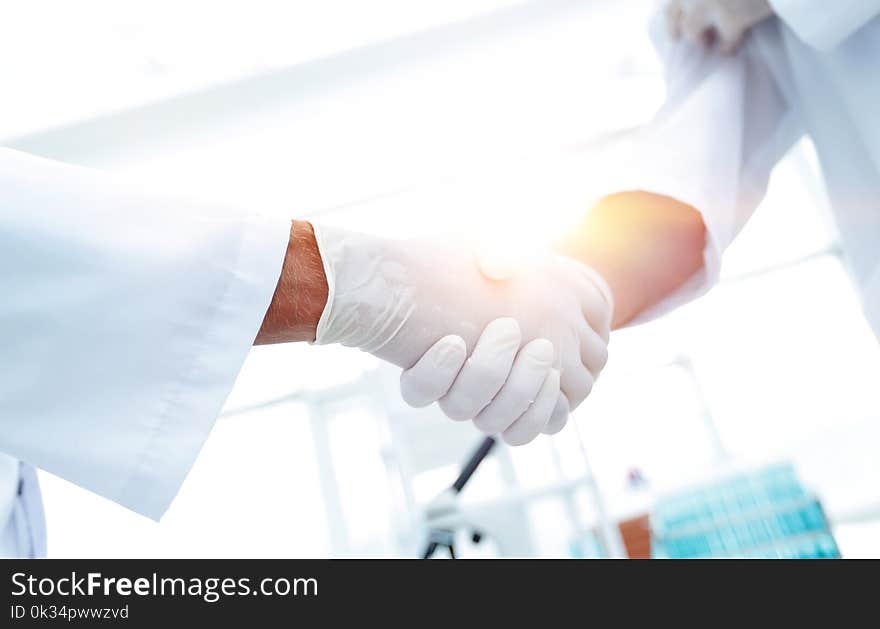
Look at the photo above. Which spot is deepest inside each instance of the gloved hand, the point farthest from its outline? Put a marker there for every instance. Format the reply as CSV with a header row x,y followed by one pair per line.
x,y
707,22
520,381
524,407
396,299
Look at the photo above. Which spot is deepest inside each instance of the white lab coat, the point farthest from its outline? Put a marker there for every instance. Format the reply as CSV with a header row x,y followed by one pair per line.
x,y
125,318
815,69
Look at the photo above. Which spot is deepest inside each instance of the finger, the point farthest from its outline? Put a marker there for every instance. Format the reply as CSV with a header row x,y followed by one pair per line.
x,y
729,46
599,312
673,19
595,296
495,263
594,350
430,378
695,26
533,421
576,382
730,38
559,417
484,372
529,372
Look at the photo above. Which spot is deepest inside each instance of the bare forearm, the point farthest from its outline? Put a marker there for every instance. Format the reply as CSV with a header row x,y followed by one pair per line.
x,y
301,293
644,245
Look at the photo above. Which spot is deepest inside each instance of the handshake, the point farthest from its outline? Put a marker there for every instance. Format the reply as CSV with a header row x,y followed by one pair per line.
x,y
514,355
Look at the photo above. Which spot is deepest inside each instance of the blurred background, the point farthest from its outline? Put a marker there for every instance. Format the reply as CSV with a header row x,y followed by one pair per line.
x,y
412,117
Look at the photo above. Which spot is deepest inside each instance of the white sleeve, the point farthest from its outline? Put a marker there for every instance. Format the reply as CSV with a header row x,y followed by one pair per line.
x,y
723,127
824,24
125,317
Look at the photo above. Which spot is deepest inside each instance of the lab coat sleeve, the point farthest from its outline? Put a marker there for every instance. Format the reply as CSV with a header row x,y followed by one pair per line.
x,y
724,125
125,317
822,24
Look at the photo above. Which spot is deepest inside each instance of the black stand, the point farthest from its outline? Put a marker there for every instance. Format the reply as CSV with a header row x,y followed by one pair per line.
x,y
444,538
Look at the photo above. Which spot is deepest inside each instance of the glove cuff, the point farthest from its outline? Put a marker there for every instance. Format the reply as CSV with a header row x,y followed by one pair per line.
x,y
322,336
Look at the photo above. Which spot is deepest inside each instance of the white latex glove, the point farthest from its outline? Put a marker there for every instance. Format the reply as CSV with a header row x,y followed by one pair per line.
x,y
520,381
396,299
709,22
525,405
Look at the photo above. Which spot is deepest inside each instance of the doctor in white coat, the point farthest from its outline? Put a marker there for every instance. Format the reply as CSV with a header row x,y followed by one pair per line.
x,y
745,80
126,315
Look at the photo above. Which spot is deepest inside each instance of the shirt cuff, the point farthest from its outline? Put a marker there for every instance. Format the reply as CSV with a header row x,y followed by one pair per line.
x,y
215,361
685,189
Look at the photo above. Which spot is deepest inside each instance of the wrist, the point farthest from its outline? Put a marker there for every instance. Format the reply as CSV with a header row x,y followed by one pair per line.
x,y
368,299
301,293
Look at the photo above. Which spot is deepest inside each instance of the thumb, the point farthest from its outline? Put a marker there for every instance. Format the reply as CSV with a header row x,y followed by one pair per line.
x,y
496,263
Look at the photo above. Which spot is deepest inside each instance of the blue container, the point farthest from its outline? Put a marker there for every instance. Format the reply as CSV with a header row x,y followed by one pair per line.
x,y
762,514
